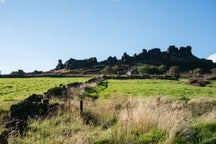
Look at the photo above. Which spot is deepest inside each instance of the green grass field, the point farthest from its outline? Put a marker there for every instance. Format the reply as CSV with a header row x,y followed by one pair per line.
x,y
12,89
155,88
126,111
19,88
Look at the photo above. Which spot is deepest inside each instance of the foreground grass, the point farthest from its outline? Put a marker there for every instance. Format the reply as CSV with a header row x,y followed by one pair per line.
x,y
124,120
131,111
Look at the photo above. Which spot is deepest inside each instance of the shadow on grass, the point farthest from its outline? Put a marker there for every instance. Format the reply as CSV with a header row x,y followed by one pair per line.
x,y
8,100
93,92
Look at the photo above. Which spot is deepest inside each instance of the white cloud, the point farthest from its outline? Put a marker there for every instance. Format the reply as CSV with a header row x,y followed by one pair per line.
x,y
212,57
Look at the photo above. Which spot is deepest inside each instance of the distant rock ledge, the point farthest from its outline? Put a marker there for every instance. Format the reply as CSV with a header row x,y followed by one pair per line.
x,y
182,57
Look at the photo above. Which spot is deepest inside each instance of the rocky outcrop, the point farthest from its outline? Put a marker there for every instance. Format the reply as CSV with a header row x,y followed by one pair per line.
x,y
32,107
183,52
109,61
172,51
60,65
77,64
173,56
154,52
198,81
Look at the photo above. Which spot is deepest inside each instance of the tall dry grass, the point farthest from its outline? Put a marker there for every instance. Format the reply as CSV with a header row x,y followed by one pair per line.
x,y
119,120
142,114
206,108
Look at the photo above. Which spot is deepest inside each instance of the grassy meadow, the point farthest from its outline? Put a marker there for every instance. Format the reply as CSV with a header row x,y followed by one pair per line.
x,y
125,111
154,88
12,90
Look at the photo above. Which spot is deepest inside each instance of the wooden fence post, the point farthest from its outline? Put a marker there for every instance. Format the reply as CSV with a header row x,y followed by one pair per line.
x,y
81,106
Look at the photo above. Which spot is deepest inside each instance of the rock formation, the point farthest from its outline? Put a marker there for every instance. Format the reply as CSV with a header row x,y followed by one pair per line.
x,y
60,65
34,106
78,64
174,56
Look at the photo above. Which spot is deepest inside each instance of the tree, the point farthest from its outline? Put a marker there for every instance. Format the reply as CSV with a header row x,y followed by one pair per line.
x,y
198,71
213,71
142,69
174,70
18,73
115,69
37,72
107,70
148,69
162,69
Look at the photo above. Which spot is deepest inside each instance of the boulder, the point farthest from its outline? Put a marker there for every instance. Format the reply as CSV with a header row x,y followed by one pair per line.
x,y
79,64
4,137
30,107
34,106
59,92
154,52
198,82
185,51
172,51
60,65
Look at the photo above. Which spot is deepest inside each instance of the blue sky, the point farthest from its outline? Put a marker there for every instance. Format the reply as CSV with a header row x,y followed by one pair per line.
x,y
34,34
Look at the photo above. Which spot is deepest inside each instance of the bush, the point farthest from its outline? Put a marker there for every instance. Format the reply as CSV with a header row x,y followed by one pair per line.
x,y
198,71
174,70
17,73
200,133
213,71
151,69
107,70
154,135
162,69
110,69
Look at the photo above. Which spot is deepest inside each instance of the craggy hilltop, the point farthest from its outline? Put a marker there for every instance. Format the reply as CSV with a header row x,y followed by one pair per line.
x,y
181,57
173,61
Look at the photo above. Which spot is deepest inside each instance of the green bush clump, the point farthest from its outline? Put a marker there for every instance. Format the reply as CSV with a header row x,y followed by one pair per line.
x,y
153,135
202,133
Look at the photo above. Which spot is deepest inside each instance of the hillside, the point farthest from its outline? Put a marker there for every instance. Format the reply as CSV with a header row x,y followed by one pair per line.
x,y
181,57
